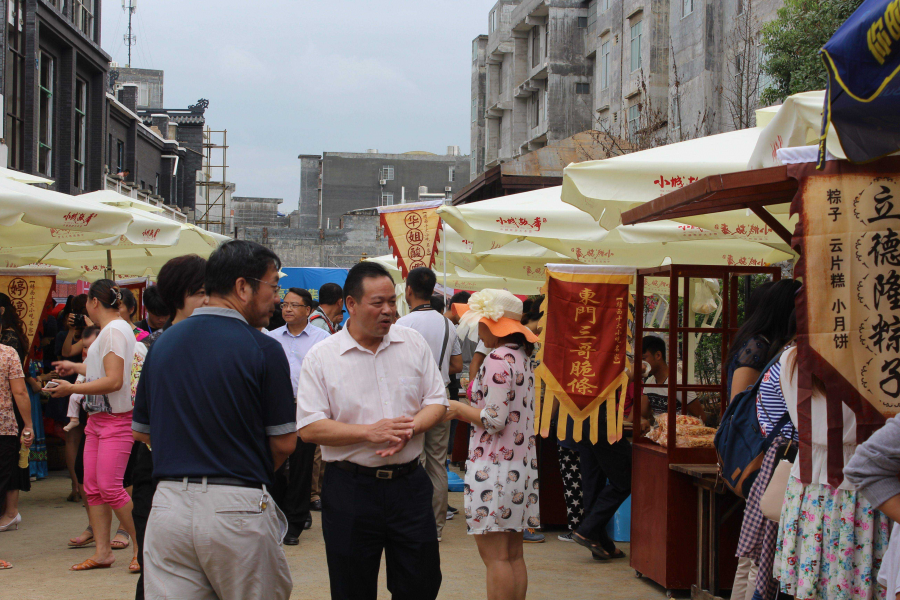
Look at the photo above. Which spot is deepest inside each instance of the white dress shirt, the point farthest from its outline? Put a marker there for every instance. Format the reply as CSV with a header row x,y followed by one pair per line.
x,y
431,323
342,381
297,346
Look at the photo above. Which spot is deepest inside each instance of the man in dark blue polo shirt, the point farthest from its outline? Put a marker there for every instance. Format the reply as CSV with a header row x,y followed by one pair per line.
x,y
216,405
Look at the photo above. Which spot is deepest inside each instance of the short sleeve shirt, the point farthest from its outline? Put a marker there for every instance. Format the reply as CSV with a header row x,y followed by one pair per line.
x,y
431,324
10,368
212,391
116,338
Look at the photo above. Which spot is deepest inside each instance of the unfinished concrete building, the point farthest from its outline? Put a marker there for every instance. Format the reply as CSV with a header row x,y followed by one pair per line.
x,y
538,76
635,69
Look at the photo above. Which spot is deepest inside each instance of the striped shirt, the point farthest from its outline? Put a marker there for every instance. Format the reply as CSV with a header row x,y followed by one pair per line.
x,y
771,405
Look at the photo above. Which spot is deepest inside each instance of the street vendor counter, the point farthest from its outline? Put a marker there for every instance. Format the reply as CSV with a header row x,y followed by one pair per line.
x,y
671,524
666,521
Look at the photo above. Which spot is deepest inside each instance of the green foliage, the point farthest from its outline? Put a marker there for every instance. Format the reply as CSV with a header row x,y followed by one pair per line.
x,y
791,45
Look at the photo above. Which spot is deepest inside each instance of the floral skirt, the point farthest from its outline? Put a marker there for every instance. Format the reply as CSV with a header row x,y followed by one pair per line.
x,y
830,544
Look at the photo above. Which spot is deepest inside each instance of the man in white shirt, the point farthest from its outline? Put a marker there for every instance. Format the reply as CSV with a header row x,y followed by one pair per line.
x,y
293,481
330,312
366,396
441,336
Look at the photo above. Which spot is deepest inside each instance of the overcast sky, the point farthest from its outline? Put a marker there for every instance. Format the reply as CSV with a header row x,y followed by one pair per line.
x,y
289,77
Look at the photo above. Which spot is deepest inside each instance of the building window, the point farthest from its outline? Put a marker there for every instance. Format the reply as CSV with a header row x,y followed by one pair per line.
x,y
740,7
143,94
143,185
687,7
582,22
474,50
387,173
604,66
45,114
492,21
472,166
120,156
634,117
155,188
535,47
474,109
81,103
84,16
593,7
15,85
605,4
536,110
387,199
582,88
636,45
451,174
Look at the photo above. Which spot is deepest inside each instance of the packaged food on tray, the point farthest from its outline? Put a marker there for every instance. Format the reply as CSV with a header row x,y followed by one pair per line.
x,y
689,432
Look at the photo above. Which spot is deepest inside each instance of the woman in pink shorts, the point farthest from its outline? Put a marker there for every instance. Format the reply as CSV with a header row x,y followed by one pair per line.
x,y
108,401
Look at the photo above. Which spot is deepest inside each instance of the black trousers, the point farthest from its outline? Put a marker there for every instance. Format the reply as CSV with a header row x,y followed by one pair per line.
x,y
362,517
601,462
292,486
142,500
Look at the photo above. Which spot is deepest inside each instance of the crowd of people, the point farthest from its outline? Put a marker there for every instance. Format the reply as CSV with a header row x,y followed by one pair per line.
x,y
298,411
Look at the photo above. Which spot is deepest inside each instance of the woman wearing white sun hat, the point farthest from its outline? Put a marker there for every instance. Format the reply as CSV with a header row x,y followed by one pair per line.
x,y
501,488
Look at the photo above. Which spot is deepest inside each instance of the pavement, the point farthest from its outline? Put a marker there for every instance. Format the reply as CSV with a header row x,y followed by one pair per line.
x,y
41,560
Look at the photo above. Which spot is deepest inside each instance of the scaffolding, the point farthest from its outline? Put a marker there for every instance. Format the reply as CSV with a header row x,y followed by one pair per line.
x,y
212,208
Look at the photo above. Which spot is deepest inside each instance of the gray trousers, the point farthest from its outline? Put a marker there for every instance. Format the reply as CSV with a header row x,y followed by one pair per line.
x,y
214,542
434,459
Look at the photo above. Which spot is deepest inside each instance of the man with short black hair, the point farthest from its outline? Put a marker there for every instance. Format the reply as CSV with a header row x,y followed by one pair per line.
x,y
215,396
330,312
293,482
655,400
157,312
366,396
441,336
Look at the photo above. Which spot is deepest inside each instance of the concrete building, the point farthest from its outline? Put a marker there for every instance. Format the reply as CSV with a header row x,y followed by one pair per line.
x,y
338,183
257,212
148,81
644,72
538,76
151,153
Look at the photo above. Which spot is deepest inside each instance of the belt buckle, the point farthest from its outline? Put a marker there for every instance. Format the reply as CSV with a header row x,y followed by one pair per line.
x,y
384,474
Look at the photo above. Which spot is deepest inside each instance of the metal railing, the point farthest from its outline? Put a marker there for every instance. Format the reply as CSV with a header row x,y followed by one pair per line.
x,y
123,187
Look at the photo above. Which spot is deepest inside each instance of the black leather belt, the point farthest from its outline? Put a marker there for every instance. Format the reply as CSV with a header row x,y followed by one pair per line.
x,y
217,481
383,472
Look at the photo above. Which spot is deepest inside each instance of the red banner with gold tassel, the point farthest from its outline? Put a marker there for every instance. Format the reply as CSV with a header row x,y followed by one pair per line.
x,y
412,232
584,347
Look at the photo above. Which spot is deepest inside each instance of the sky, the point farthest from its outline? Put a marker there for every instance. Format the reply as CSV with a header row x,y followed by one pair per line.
x,y
309,76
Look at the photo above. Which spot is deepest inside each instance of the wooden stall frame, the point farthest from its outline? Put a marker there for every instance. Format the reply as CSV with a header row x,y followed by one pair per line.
x,y
673,565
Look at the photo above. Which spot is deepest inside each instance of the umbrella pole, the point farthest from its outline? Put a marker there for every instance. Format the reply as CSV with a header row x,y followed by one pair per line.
x,y
110,274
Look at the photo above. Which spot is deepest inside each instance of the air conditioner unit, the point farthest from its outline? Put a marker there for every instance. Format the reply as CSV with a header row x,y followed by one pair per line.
x,y
382,182
448,189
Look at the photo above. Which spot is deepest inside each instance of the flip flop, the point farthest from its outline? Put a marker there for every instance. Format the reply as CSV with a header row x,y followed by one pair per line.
x,y
4,565
607,556
135,566
119,545
89,565
84,543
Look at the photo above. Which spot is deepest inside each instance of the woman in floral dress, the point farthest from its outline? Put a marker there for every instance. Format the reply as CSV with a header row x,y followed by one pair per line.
x,y
501,488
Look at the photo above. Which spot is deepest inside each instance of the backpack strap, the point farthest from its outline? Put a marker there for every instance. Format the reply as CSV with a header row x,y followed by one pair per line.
x,y
776,430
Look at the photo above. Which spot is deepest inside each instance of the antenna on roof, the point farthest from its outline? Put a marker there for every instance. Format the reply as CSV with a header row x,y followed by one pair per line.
x,y
129,6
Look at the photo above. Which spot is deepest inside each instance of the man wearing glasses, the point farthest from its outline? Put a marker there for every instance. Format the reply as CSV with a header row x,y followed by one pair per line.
x,y
293,481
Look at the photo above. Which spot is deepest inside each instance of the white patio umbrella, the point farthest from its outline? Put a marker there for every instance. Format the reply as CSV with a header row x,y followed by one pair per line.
x,y
462,280
30,216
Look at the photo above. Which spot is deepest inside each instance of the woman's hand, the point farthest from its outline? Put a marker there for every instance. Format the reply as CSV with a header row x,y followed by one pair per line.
x,y
27,436
63,389
452,411
34,384
64,367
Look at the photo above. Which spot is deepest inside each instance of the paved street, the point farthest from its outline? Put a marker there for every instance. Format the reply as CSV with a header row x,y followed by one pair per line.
x,y
41,559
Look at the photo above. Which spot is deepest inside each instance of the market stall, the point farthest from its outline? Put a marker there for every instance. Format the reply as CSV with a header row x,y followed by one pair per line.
x,y
665,517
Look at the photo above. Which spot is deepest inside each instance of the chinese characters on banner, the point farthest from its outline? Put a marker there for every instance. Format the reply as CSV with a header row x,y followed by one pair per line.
x,y
583,348
849,306
29,293
412,231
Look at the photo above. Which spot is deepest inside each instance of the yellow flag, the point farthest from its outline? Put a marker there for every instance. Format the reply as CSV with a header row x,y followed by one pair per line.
x,y
28,293
412,231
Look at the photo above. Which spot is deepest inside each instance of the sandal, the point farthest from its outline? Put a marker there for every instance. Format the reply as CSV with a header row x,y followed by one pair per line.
x,y
118,544
89,565
604,555
83,543
4,565
135,566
